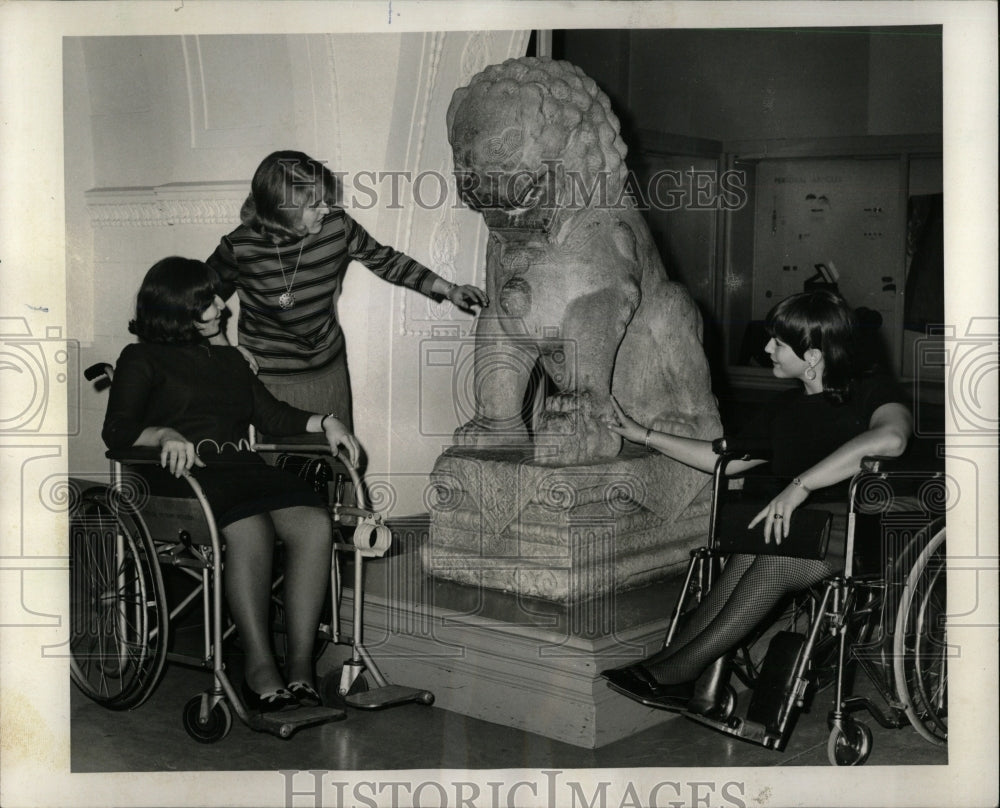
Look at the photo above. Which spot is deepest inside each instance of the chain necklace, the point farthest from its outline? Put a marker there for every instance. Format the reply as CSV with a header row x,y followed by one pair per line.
x,y
286,300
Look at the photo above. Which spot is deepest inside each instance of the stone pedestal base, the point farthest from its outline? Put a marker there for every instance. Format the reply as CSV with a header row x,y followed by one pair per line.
x,y
563,534
510,659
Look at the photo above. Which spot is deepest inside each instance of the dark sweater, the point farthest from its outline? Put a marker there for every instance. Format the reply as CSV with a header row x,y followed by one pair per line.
x,y
803,429
307,337
205,393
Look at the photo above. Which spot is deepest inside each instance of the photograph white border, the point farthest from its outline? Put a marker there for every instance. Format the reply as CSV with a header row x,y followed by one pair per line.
x,y
34,693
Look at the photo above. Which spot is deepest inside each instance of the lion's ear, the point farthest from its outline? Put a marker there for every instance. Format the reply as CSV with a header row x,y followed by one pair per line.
x,y
625,241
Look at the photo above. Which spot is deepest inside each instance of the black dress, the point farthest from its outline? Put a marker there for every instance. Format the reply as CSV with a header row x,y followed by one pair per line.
x,y
803,429
210,396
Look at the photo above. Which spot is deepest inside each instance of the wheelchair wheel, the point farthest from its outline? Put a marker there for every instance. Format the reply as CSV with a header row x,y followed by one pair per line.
x,y
850,744
118,609
214,728
920,650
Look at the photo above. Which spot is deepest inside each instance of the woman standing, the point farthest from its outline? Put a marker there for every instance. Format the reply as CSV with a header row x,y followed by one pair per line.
x,y
818,434
179,391
287,260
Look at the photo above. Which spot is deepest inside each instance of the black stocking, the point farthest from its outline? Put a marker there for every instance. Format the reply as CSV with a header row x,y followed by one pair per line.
x,y
306,534
747,590
308,539
249,553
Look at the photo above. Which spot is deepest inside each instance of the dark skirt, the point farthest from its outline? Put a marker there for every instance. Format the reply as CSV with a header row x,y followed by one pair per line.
x,y
328,391
238,487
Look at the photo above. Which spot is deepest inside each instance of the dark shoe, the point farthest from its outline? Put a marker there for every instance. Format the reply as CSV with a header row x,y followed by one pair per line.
x,y
273,702
305,694
638,684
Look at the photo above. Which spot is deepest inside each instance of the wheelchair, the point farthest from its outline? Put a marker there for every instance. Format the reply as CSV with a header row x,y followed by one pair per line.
x,y
884,615
121,541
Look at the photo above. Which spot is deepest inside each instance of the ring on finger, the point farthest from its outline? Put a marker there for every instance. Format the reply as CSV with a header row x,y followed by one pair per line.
x,y
779,516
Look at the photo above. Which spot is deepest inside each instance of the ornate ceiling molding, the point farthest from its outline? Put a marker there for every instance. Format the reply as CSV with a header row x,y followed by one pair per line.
x,y
179,203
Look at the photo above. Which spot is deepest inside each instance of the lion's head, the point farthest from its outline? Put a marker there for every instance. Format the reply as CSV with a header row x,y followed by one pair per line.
x,y
530,124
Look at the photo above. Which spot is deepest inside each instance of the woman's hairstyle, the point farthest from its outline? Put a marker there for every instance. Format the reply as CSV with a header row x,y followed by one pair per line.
x,y
173,295
819,319
284,183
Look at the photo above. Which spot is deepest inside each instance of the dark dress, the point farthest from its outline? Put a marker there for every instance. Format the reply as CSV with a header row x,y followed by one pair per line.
x,y
210,396
803,429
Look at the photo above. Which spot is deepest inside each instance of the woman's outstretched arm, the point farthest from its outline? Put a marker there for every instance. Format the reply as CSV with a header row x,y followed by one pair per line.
x,y
689,451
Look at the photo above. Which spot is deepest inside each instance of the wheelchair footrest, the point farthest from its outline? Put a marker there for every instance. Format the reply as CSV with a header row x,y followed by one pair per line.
x,y
737,727
389,696
772,706
285,724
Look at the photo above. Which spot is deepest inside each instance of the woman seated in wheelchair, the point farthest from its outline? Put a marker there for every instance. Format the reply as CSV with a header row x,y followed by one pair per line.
x,y
817,435
183,390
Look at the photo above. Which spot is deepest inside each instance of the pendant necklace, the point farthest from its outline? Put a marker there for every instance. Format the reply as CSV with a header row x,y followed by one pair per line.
x,y
286,300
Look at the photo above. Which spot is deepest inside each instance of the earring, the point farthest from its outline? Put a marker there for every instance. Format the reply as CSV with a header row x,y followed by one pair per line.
x,y
811,373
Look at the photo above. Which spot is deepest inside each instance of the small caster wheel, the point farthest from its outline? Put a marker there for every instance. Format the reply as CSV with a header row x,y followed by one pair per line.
x,y
850,744
427,698
214,728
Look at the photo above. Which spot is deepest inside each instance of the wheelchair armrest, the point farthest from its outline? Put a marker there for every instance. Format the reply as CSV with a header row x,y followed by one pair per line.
x,y
292,446
742,448
135,455
905,463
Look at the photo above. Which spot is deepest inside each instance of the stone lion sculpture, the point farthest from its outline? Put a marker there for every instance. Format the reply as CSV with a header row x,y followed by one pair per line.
x,y
576,283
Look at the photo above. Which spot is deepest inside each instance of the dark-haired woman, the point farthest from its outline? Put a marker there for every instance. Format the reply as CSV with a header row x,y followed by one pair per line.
x,y
818,434
286,262
182,390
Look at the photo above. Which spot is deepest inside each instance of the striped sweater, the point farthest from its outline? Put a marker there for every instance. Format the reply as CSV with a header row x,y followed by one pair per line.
x,y
306,338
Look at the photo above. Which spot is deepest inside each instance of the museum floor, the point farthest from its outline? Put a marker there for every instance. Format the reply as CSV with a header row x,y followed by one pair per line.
x,y
413,736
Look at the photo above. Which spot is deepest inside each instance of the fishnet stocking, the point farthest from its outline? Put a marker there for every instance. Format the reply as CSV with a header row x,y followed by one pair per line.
x,y
749,587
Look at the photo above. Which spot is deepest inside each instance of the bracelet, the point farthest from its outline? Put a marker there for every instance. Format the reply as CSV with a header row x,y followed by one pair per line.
x,y
797,482
322,423
649,432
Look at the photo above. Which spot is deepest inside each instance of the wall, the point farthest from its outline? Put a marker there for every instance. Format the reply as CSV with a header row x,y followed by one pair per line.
x,y
699,90
767,83
162,135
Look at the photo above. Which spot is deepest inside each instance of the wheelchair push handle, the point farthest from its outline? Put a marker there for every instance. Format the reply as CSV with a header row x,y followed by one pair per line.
x,y
98,371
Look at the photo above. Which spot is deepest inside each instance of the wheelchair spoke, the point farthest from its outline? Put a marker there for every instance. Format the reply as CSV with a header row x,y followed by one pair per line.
x,y
117,642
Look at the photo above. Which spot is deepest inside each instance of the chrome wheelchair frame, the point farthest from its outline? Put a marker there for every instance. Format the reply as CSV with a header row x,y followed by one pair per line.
x,y
890,623
121,538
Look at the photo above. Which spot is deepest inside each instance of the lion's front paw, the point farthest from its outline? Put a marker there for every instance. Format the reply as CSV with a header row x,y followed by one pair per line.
x,y
569,433
482,432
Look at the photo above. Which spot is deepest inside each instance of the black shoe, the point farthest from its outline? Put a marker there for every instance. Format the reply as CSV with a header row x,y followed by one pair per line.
x,y
273,702
638,684
305,694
